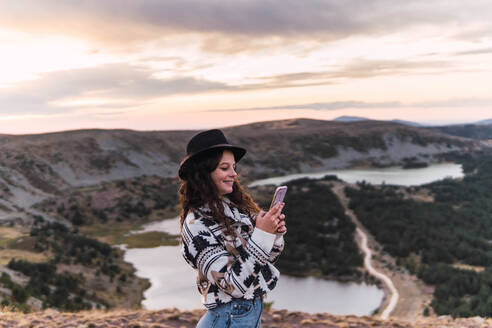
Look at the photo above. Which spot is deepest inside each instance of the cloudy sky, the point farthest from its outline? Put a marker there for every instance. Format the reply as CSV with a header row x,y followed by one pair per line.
x,y
183,64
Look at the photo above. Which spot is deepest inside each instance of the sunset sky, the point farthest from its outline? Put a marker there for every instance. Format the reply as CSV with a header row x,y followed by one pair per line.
x,y
194,64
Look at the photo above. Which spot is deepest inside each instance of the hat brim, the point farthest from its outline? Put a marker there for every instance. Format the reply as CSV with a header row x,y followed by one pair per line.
x,y
238,152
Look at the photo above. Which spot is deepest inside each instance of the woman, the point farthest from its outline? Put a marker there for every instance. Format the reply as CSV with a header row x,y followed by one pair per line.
x,y
225,236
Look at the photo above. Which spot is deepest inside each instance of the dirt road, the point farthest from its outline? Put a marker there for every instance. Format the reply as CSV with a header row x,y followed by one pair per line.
x,y
381,276
406,297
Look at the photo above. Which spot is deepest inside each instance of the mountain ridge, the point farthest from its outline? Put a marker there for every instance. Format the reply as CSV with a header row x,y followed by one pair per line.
x,y
50,163
37,167
484,122
134,174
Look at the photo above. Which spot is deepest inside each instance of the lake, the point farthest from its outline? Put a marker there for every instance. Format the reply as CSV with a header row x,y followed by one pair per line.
x,y
395,175
173,281
173,284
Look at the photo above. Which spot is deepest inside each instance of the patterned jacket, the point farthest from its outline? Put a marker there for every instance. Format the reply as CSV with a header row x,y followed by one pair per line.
x,y
239,266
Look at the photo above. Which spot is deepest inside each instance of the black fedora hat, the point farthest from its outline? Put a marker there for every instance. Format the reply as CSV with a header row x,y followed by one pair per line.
x,y
206,141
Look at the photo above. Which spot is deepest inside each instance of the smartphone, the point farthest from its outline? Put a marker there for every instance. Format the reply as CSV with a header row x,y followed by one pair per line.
x,y
279,195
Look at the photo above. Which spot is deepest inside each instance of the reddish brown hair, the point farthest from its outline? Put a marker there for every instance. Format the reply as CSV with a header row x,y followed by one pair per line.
x,y
198,189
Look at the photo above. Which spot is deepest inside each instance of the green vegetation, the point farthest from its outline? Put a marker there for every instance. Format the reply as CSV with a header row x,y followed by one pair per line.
x,y
462,293
149,239
74,271
277,148
288,150
140,199
431,238
320,238
62,291
109,232
19,294
54,283
413,163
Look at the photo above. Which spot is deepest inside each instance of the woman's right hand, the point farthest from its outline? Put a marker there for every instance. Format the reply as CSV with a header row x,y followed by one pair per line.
x,y
269,221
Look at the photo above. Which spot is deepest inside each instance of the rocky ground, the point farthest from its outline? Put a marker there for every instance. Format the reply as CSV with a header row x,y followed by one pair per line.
x,y
176,318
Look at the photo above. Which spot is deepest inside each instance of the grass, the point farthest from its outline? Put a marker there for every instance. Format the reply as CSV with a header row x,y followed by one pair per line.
x,y
7,254
463,266
15,244
10,233
7,235
118,234
149,240
110,233
23,243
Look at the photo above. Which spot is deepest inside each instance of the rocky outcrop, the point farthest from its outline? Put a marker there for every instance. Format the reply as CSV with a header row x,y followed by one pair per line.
x,y
175,318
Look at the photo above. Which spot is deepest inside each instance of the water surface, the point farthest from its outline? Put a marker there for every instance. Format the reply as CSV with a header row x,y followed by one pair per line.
x,y
173,284
173,281
391,175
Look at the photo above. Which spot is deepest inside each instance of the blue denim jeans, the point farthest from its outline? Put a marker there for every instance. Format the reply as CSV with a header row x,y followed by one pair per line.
x,y
238,313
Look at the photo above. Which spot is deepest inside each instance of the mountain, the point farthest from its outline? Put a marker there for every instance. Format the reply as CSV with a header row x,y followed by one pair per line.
x,y
407,123
358,119
472,131
291,146
350,119
484,122
64,195
34,167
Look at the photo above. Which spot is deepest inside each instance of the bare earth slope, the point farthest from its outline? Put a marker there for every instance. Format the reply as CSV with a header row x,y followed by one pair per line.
x,y
175,318
36,167
49,163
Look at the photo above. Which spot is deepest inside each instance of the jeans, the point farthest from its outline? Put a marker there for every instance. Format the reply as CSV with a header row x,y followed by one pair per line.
x,y
239,313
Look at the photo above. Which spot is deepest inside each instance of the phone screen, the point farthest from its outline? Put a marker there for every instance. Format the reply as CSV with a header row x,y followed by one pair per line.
x,y
279,195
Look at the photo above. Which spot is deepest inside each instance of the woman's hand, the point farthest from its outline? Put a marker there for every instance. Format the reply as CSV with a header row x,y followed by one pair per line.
x,y
281,225
272,220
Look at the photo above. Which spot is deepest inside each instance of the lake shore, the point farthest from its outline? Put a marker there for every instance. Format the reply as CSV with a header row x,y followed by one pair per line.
x,y
414,296
396,175
359,298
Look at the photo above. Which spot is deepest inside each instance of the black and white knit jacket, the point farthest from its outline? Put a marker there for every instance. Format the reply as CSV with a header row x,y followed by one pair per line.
x,y
239,266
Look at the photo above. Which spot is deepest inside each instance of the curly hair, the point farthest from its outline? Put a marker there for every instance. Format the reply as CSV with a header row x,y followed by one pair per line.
x,y
198,189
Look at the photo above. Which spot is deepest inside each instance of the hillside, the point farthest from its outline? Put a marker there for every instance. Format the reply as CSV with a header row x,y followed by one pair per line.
x,y
34,168
168,318
104,183
50,163
324,236
292,146
485,122
473,131
440,232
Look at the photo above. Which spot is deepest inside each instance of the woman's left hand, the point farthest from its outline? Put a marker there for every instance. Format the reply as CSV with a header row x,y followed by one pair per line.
x,y
270,221
281,225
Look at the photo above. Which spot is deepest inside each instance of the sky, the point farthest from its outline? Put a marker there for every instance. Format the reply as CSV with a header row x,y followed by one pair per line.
x,y
196,64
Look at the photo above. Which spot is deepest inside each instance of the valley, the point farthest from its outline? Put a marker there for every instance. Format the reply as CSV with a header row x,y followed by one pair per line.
x,y
100,184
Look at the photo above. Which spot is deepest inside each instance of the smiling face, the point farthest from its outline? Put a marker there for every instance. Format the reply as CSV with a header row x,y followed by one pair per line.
x,y
225,174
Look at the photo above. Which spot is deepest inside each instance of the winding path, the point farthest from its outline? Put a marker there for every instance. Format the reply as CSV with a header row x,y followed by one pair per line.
x,y
368,264
338,189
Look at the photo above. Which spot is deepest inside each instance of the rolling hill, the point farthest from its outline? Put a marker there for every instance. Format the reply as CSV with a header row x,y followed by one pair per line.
x,y
103,183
